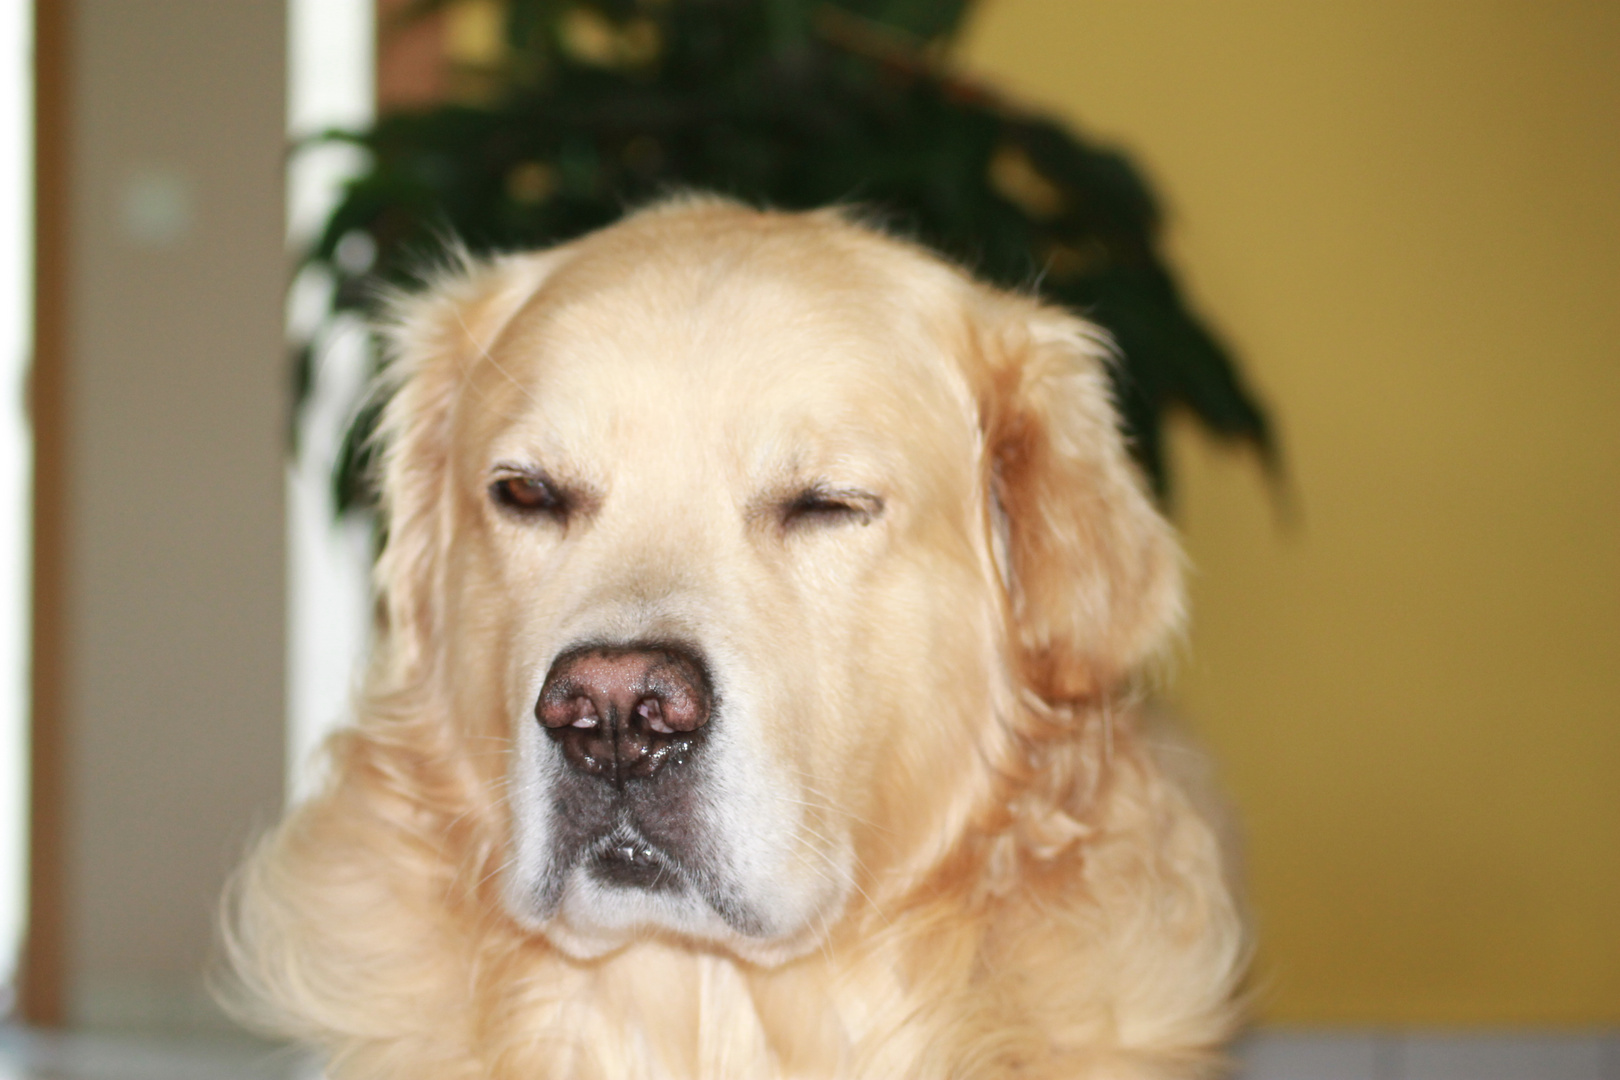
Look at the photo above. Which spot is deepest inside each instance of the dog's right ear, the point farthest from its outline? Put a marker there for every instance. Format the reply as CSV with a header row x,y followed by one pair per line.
x,y
1094,570
434,339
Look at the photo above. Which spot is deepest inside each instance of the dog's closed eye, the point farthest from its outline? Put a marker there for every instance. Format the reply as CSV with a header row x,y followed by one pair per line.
x,y
821,504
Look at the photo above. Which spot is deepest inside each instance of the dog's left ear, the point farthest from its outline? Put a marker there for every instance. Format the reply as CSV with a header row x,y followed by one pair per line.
x,y
1095,573
434,339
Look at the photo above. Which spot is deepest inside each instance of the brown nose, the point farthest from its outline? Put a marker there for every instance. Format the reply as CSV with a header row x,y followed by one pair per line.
x,y
623,712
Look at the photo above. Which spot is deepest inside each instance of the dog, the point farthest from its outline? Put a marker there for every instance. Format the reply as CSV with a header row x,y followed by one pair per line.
x,y
761,612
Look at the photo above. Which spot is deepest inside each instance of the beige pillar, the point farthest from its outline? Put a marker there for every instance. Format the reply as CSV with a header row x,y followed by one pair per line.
x,y
162,403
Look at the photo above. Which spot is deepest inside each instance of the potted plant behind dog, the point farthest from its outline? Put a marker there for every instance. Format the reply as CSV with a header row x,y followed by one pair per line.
x,y
587,107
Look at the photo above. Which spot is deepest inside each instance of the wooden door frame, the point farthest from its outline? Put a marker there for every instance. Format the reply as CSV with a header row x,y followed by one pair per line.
x,y
42,976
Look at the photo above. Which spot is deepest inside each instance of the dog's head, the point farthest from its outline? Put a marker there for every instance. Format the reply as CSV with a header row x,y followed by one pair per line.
x,y
740,538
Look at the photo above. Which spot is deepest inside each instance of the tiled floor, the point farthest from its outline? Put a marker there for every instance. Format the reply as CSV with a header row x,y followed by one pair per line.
x,y
33,1056
1267,1055
1279,1054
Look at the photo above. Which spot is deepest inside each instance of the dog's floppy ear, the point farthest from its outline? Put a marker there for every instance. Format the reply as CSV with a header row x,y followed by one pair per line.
x,y
434,338
1095,572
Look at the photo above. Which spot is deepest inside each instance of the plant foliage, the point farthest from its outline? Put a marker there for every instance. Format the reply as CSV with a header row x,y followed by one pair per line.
x,y
588,107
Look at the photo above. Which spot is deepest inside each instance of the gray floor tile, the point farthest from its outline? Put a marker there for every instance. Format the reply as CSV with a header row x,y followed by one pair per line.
x,y
1479,1055
1272,1054
36,1056
1285,1054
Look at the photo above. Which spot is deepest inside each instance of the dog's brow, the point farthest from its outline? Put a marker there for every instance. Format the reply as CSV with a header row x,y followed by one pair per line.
x,y
484,353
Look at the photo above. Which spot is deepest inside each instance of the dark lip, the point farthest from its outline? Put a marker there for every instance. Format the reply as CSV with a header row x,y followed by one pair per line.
x,y
627,859
651,869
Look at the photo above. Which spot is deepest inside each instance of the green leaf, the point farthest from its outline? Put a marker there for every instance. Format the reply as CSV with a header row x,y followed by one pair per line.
x,y
924,20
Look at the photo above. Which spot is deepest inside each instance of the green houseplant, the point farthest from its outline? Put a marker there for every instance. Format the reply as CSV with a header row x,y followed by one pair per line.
x,y
592,106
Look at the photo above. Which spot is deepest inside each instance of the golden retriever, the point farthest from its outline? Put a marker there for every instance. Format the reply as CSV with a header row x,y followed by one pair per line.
x,y
760,611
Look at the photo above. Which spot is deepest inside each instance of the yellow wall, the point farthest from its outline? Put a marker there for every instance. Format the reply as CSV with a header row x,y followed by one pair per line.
x,y
1406,217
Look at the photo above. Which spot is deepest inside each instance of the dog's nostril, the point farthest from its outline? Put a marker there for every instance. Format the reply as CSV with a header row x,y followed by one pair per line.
x,y
623,712
649,710
577,711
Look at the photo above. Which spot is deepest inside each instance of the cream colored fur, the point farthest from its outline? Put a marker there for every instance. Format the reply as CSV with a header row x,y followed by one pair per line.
x,y
978,868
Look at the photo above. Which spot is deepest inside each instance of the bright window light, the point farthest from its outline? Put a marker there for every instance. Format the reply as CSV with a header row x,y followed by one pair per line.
x,y
331,75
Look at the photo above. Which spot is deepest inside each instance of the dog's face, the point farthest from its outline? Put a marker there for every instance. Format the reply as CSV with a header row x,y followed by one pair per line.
x,y
732,527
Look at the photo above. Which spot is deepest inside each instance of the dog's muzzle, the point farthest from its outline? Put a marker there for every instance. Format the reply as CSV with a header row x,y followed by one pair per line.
x,y
630,723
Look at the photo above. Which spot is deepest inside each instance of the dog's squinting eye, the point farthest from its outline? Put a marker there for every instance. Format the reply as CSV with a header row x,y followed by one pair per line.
x,y
827,506
529,495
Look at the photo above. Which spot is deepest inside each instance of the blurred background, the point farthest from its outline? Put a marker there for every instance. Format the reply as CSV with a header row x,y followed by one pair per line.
x,y
1403,221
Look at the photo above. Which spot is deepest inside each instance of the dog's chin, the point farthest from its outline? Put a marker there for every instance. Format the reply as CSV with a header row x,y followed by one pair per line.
x,y
629,892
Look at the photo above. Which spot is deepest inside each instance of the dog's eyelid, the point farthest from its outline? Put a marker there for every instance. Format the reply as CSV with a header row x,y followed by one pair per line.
x,y
504,469
529,491
821,502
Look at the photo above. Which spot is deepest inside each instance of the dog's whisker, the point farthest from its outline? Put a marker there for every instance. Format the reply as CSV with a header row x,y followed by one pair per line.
x,y
839,873
830,805
501,869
